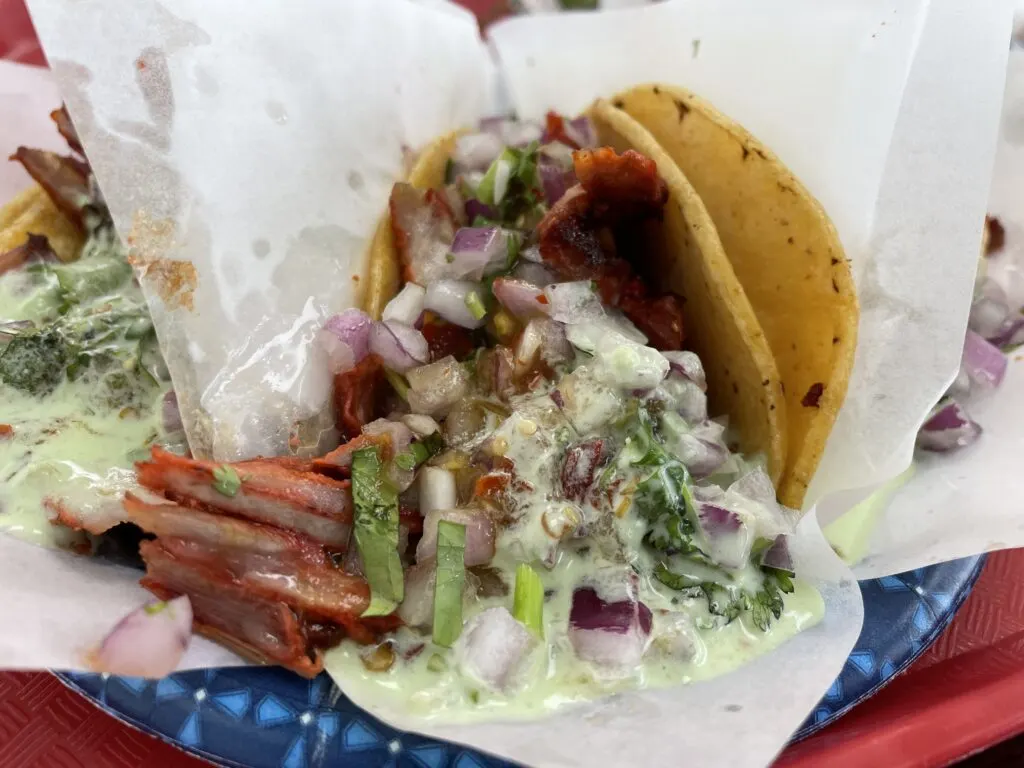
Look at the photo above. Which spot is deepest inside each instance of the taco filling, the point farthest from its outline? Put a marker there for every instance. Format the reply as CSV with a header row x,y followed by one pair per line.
x,y
531,505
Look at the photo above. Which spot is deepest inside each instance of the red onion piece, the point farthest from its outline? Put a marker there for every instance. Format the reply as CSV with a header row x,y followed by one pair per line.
x,y
573,302
1011,334
581,130
727,538
532,255
148,642
778,555
476,151
701,456
689,366
480,534
606,633
988,316
353,328
340,357
475,250
476,208
170,414
407,306
947,429
448,299
984,363
435,388
555,181
520,298
398,346
493,646
417,608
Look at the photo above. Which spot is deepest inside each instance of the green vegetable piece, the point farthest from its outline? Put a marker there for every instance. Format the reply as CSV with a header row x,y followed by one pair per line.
x,y
436,663
154,608
376,528
419,451
35,362
226,481
450,582
91,278
398,383
528,599
475,305
485,189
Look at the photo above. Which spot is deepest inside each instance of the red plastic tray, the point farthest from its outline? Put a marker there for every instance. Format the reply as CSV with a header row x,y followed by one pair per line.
x,y
962,696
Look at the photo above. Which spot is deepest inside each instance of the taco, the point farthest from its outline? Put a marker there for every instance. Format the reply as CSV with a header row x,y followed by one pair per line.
x,y
784,251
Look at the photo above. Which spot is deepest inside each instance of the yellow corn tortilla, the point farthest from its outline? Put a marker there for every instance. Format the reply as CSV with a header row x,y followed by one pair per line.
x,y
785,252
32,212
686,256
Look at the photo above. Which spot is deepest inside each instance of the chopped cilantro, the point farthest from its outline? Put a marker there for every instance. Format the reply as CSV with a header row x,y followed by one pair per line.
x,y
376,529
226,481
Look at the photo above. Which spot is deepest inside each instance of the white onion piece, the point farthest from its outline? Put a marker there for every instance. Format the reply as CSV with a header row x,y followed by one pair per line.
x,y
476,151
574,302
398,346
534,273
675,635
400,436
435,388
480,534
519,133
492,648
353,327
476,251
688,365
532,254
448,299
520,298
752,496
984,363
947,429
148,642
421,425
988,317
607,631
437,490
558,153
407,306
417,607
584,336
727,538
622,363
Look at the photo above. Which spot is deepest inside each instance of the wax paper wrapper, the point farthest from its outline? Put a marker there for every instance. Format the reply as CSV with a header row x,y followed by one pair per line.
x,y
962,503
246,150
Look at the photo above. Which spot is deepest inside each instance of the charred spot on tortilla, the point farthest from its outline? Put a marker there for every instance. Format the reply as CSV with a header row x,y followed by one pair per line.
x,y
619,103
813,396
746,152
682,109
789,239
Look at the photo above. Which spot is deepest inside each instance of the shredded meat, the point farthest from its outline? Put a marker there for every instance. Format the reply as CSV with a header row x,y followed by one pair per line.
x,y
65,179
67,128
305,502
576,236
35,248
444,339
359,395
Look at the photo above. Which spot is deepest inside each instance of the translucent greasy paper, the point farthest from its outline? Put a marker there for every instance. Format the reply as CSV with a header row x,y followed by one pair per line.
x,y
250,161
972,501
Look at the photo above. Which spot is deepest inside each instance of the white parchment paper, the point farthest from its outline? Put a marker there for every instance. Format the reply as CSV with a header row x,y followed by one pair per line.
x,y
972,501
262,153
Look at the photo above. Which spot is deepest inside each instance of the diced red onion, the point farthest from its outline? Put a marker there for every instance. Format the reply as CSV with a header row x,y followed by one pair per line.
x,y
398,346
407,306
984,363
476,250
536,274
417,607
778,555
170,414
701,456
988,316
532,255
581,130
148,642
420,425
437,490
727,538
688,365
755,494
448,299
476,208
340,357
435,388
520,298
555,181
480,534
492,647
476,151
582,461
545,339
609,633
948,428
573,302
1011,334
352,327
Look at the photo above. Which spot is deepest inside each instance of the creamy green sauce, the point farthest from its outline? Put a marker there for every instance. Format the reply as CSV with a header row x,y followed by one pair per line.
x,y
851,533
74,444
